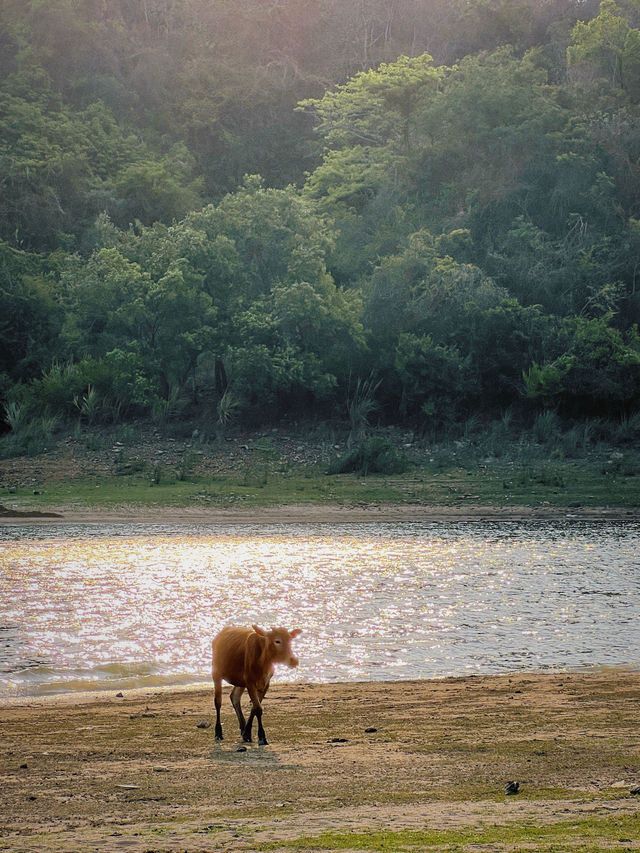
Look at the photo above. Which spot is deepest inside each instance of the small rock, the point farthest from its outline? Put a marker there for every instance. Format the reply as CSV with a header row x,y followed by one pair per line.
x,y
371,730
512,788
203,724
337,740
635,790
23,766
119,695
241,749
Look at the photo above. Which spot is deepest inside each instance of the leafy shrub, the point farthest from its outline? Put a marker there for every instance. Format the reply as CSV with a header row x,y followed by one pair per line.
x,y
628,431
546,427
373,455
186,467
360,405
31,438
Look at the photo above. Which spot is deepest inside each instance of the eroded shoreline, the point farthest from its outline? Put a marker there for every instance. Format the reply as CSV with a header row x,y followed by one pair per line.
x,y
316,514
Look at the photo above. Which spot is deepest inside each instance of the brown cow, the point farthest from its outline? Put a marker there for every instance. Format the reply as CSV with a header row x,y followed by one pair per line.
x,y
245,657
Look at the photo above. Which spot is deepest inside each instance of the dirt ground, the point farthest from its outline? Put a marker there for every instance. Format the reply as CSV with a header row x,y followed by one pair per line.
x,y
141,772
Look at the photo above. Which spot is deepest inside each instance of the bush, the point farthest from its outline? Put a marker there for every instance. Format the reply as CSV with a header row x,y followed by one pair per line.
x,y
373,455
27,437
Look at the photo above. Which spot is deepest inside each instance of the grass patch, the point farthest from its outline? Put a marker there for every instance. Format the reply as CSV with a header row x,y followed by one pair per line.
x,y
375,471
565,485
573,835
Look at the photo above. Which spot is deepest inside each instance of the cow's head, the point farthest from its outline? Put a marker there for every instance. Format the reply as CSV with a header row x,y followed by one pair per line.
x,y
278,642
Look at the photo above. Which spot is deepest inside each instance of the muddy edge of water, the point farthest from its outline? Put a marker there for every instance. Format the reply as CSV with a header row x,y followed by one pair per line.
x,y
317,514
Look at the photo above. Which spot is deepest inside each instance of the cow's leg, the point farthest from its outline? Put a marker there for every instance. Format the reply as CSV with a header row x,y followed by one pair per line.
x,y
236,694
256,711
218,703
246,733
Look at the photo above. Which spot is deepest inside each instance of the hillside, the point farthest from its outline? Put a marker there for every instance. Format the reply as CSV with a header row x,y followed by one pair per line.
x,y
418,215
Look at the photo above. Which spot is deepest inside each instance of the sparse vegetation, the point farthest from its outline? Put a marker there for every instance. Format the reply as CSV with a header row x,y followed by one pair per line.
x,y
446,747
372,455
485,467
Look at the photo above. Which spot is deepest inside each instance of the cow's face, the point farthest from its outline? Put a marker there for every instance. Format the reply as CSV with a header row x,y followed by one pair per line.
x,y
279,645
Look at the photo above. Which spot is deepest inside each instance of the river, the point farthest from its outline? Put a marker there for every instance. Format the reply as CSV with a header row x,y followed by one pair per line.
x,y
89,607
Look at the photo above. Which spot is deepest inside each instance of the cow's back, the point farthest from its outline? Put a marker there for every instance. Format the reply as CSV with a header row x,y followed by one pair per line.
x,y
228,654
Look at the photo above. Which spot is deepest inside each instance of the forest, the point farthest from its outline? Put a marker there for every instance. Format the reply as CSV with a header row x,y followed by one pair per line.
x,y
217,212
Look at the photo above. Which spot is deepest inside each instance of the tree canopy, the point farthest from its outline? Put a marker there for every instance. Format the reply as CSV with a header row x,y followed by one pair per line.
x,y
210,209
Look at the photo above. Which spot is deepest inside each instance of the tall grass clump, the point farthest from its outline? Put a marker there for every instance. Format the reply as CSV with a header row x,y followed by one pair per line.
x,y
226,410
628,430
373,455
29,435
360,406
89,405
546,427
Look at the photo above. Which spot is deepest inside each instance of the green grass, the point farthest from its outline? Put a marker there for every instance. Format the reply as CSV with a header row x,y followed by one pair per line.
x,y
561,484
611,833
462,473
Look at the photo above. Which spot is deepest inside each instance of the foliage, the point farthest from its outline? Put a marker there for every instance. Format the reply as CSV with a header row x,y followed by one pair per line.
x,y
373,455
29,436
360,405
608,46
461,224
600,371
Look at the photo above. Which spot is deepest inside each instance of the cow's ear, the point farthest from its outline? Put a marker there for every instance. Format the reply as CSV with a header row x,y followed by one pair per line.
x,y
259,630
295,632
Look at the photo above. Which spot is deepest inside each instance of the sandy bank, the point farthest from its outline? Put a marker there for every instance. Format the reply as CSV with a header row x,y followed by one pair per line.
x,y
137,772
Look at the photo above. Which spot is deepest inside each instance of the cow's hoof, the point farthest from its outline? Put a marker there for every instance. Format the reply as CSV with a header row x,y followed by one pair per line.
x,y
263,742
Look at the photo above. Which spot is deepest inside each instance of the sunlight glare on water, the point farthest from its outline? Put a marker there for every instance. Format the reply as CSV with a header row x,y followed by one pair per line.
x,y
87,608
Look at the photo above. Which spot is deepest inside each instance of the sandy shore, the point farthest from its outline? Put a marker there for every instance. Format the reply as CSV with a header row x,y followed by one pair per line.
x,y
315,514
141,773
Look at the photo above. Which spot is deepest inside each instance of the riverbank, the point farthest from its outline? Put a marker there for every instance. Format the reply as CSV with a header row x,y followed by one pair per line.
x,y
284,473
313,514
369,766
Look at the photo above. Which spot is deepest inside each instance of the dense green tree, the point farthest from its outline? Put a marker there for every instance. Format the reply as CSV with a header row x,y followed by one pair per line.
x,y
607,48
466,233
242,285
435,380
369,128
113,304
30,315
599,373
60,169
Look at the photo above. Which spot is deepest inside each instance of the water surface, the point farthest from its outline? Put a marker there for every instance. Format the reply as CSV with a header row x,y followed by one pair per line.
x,y
89,606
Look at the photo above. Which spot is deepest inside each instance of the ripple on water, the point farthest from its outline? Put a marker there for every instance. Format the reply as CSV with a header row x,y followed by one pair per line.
x,y
86,607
